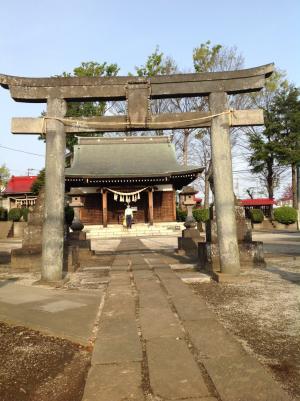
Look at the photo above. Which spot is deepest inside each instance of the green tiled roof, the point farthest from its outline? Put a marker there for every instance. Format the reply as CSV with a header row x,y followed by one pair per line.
x,y
126,157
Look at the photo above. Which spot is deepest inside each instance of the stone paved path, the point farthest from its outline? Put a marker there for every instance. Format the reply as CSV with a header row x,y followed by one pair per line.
x,y
158,341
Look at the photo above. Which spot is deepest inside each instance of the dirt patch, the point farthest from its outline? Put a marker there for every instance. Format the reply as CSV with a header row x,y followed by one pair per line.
x,y
35,367
263,313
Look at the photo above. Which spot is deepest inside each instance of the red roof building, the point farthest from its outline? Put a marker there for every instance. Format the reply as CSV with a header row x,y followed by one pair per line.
x,y
264,204
18,192
257,202
19,185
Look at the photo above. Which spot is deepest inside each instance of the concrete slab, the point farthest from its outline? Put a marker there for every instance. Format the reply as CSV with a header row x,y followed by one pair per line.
x,y
159,323
60,306
116,382
184,266
243,378
57,312
212,340
190,308
117,342
99,269
173,372
197,399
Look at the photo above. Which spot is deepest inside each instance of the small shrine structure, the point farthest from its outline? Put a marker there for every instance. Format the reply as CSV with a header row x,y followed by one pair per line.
x,y
108,173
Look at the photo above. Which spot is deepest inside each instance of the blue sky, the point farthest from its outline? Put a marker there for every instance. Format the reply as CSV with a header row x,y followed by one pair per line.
x,y
44,38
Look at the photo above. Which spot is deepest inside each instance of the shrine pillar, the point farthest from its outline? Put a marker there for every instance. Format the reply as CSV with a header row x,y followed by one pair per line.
x,y
104,207
150,206
53,227
223,185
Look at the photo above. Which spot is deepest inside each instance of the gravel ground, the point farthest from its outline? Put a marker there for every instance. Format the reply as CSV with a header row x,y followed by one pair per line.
x,y
35,367
263,313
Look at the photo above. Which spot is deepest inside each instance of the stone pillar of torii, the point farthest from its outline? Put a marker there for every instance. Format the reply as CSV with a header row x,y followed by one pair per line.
x,y
138,92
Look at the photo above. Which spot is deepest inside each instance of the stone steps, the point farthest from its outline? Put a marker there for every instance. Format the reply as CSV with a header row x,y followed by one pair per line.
x,y
142,230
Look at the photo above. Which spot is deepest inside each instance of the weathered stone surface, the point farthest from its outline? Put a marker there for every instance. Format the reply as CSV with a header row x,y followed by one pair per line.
x,y
251,255
242,378
117,341
211,339
116,382
223,184
156,325
173,372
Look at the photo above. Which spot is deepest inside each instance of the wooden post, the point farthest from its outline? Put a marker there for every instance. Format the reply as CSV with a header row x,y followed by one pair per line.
x,y
53,227
104,207
174,204
223,185
150,206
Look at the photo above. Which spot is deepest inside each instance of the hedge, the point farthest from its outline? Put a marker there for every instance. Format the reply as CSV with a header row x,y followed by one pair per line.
x,y
285,215
256,215
3,214
25,212
15,214
180,214
201,215
69,215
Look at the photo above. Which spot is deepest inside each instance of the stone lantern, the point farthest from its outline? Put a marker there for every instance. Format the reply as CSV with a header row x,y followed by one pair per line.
x,y
188,194
188,242
77,201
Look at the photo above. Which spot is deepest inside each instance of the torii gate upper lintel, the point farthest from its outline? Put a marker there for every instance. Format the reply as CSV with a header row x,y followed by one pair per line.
x,y
137,91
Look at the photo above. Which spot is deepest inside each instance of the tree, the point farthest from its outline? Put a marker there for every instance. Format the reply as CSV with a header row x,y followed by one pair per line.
x,y
286,111
212,58
38,183
4,175
88,109
264,144
157,64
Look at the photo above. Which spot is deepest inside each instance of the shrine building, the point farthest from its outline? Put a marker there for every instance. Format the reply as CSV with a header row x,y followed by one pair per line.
x,y
108,173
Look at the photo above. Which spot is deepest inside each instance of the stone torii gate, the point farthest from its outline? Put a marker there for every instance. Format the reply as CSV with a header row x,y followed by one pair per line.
x,y
137,91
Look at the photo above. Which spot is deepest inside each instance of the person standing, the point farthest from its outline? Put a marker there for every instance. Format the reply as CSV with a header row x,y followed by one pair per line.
x,y
128,216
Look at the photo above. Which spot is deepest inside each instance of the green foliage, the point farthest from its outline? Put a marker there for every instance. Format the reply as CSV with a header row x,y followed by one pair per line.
x,y
69,215
180,214
15,214
156,64
205,56
4,175
3,214
285,215
286,111
88,109
38,183
25,212
256,215
277,144
201,215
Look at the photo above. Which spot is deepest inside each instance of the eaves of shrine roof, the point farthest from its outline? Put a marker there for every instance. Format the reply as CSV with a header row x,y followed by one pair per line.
x,y
126,157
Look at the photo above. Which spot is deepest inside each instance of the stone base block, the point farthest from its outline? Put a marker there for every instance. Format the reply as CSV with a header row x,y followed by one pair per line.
x,y
189,245
228,278
251,255
190,233
28,259
77,236
81,243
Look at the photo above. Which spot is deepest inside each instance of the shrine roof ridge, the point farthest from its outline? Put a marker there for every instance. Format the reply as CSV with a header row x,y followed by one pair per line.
x,y
9,80
123,140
